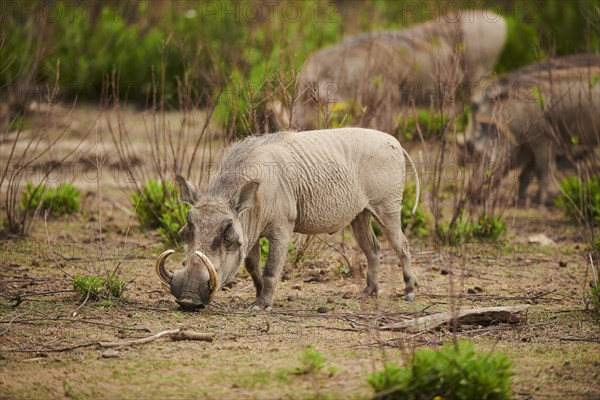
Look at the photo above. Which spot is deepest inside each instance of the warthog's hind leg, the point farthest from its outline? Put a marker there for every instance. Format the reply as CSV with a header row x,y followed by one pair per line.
x,y
391,225
363,232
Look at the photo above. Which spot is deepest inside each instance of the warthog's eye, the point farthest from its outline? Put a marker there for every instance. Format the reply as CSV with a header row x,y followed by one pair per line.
x,y
229,236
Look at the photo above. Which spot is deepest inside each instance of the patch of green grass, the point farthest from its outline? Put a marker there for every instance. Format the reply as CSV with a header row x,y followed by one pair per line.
x,y
99,288
455,371
312,361
65,199
253,379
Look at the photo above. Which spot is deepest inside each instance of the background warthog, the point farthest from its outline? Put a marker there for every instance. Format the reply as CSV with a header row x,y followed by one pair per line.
x,y
273,185
381,71
536,112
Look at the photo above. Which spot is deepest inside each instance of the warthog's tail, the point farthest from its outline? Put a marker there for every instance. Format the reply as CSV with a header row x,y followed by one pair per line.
x,y
414,210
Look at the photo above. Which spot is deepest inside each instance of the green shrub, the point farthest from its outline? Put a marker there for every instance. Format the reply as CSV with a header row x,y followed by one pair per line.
x,y
99,288
158,207
580,199
489,227
62,200
418,223
452,372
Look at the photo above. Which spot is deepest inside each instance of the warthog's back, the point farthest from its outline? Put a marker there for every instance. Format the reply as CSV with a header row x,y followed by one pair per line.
x,y
324,178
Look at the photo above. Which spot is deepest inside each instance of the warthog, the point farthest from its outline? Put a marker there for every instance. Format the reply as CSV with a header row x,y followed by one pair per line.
x,y
271,186
382,71
535,113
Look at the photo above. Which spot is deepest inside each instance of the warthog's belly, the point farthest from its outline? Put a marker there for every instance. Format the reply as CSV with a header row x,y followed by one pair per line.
x,y
328,197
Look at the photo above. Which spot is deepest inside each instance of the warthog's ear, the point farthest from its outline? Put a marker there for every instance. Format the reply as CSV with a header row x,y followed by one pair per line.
x,y
246,196
187,192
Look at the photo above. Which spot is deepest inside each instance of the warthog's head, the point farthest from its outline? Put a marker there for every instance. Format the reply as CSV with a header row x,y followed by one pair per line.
x,y
216,244
482,136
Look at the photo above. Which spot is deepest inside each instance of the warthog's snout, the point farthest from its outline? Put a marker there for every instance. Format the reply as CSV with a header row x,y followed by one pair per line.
x,y
189,304
189,297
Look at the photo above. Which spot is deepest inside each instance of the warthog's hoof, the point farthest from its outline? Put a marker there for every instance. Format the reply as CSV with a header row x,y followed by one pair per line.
x,y
409,296
367,292
259,307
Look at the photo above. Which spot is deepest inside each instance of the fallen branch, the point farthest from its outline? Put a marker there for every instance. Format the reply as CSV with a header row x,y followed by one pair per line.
x,y
140,341
176,334
191,335
481,316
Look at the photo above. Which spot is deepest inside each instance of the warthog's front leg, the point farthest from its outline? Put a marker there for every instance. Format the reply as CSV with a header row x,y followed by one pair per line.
x,y
252,264
272,273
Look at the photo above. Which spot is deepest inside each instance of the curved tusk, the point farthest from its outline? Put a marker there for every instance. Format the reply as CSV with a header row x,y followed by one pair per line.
x,y
164,275
213,281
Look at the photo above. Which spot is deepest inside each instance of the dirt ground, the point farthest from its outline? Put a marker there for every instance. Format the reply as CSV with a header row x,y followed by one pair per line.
x,y
46,352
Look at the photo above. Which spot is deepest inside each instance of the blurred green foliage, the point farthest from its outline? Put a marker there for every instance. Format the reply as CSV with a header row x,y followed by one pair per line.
x,y
188,51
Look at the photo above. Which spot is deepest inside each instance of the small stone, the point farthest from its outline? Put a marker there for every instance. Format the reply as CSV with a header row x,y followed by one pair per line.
x,y
330,301
347,295
562,264
323,310
445,272
292,297
541,239
110,354
471,291
297,287
478,289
